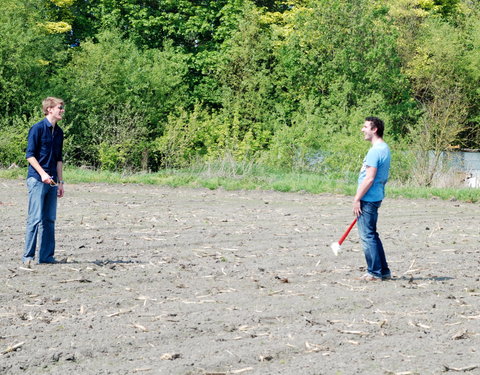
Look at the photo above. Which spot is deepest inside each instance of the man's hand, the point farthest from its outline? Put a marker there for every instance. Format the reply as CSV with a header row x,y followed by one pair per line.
x,y
363,188
46,179
357,211
60,190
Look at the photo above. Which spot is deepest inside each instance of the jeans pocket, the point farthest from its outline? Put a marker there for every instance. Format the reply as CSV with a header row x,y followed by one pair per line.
x,y
370,207
31,183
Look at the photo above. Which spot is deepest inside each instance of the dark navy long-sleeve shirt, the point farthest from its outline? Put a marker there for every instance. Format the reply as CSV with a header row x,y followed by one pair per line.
x,y
46,146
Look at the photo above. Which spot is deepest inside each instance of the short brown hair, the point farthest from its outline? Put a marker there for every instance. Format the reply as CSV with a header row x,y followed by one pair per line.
x,y
50,102
376,124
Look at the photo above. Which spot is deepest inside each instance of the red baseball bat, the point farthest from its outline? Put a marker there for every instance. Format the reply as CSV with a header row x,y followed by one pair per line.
x,y
340,241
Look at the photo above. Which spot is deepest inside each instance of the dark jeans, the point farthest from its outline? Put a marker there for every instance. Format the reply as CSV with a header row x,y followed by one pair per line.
x,y
372,246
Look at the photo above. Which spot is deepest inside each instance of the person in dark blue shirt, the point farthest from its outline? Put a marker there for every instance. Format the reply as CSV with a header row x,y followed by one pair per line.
x,y
44,182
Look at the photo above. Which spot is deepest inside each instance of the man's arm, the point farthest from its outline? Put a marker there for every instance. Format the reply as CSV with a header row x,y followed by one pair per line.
x,y
61,190
33,145
363,188
36,165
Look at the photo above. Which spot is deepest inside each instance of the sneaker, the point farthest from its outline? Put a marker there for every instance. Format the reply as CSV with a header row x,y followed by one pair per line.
x,y
387,277
28,263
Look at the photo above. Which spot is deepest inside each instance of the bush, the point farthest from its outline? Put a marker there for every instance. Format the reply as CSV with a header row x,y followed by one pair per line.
x,y
118,96
13,140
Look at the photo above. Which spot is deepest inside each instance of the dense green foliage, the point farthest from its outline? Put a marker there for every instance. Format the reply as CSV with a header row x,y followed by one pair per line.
x,y
285,83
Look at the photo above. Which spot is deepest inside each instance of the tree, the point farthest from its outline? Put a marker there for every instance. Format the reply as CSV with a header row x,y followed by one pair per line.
x,y
338,64
26,52
442,122
29,54
244,76
241,124
119,97
444,82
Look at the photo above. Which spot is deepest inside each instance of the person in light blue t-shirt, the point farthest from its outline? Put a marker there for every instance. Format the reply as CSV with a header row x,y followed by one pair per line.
x,y
370,193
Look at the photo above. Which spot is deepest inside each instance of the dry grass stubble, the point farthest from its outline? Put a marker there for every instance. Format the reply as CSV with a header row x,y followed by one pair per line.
x,y
192,281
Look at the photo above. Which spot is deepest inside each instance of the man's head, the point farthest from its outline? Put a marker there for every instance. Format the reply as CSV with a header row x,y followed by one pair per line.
x,y
51,102
375,125
53,108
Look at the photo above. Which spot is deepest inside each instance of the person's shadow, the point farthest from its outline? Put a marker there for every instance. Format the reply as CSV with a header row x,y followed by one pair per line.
x,y
103,263
412,279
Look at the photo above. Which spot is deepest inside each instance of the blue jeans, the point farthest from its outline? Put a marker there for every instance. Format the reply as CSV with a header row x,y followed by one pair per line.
x,y
42,212
372,246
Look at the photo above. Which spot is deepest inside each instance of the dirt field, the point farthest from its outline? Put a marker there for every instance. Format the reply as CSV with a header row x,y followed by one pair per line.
x,y
193,281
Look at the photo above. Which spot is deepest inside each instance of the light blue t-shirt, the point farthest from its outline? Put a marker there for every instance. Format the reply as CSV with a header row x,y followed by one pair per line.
x,y
378,157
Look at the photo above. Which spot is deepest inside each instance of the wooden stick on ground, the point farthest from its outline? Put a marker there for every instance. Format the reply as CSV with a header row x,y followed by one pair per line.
x,y
13,348
461,369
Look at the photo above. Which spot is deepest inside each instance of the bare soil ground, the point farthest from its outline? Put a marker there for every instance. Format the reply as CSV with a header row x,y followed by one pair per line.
x,y
193,281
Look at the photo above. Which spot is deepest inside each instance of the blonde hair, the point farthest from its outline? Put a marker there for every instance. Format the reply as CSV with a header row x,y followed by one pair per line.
x,y
49,103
